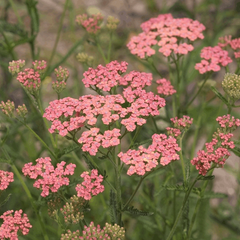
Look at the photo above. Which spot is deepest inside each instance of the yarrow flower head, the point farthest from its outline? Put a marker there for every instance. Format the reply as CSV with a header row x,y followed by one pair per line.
x,y
233,43
162,149
213,59
165,87
39,66
72,210
52,179
5,178
217,151
85,58
168,33
231,85
8,108
62,75
112,23
22,111
92,232
91,186
91,24
16,66
30,80
14,223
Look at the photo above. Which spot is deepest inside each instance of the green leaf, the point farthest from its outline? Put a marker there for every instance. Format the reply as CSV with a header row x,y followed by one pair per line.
x,y
236,151
3,160
137,212
175,187
5,200
206,177
208,195
219,95
61,152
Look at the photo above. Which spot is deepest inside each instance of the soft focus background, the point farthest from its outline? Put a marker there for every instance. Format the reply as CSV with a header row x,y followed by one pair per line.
x,y
219,16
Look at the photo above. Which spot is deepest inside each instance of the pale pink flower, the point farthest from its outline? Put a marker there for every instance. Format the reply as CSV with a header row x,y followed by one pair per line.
x,y
5,178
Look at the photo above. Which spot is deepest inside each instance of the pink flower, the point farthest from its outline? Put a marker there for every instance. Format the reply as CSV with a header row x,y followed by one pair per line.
x,y
52,179
171,32
143,160
30,80
5,179
213,59
165,87
91,185
14,223
217,151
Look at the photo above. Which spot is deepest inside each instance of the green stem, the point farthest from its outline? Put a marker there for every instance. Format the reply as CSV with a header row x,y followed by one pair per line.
x,y
199,90
10,49
39,138
101,52
181,209
182,160
135,136
197,206
153,65
109,47
16,172
16,12
136,189
45,121
58,33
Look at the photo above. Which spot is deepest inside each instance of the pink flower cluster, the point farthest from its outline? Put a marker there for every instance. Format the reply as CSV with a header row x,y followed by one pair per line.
x,y
217,151
228,123
75,113
213,59
13,223
52,179
16,66
171,31
92,140
105,78
165,87
5,179
145,159
30,79
91,24
39,65
91,186
233,43
179,124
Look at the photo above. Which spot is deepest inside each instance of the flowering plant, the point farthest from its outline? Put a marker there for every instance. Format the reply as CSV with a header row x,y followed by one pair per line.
x,y
126,148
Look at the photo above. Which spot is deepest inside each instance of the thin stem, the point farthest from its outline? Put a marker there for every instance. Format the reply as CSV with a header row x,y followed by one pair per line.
x,y
109,47
198,205
136,189
199,90
58,33
182,160
181,209
39,138
101,52
16,172
16,12
45,122
153,65
135,136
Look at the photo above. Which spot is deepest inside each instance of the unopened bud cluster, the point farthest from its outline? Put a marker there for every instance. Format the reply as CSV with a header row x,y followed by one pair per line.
x,y
108,232
91,24
62,75
231,85
16,66
112,23
7,108
22,111
53,205
39,65
85,58
72,211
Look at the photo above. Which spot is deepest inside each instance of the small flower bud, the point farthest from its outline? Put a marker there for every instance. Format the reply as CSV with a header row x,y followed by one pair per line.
x,y
39,66
112,23
62,74
8,108
231,85
85,58
16,66
22,111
